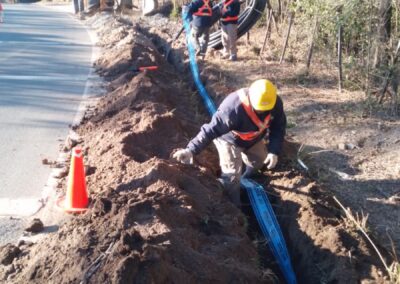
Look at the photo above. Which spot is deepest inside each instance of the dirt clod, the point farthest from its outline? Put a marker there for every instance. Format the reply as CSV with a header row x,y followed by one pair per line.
x,y
35,226
7,254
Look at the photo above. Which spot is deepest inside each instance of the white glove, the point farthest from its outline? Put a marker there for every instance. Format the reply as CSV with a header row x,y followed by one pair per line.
x,y
184,156
271,161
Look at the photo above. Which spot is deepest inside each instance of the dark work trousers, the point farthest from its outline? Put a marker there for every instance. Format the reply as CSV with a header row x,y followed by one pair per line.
x,y
200,37
78,6
231,158
229,38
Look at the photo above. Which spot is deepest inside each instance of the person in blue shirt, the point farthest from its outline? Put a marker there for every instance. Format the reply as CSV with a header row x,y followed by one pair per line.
x,y
230,11
200,13
243,121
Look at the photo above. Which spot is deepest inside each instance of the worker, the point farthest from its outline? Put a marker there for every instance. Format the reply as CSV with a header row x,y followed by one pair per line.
x,y
238,128
199,12
230,11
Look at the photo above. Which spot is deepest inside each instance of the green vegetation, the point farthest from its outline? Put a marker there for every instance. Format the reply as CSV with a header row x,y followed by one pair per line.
x,y
369,42
176,12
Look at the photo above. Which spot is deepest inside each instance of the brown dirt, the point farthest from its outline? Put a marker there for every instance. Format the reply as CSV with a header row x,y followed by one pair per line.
x,y
153,220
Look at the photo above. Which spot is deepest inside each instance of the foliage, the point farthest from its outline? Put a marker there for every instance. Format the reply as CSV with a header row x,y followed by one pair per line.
x,y
263,20
175,13
177,9
353,15
361,22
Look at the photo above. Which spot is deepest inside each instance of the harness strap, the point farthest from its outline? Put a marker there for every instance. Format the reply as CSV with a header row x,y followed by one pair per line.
x,y
230,19
204,10
262,125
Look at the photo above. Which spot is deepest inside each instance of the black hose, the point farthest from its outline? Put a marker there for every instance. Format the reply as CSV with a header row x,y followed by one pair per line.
x,y
247,19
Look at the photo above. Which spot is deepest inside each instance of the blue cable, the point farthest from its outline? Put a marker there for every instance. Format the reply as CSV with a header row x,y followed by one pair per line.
x,y
258,199
269,226
195,69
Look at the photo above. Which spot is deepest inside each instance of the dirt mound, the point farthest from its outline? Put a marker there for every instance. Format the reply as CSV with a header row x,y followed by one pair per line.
x,y
164,226
153,220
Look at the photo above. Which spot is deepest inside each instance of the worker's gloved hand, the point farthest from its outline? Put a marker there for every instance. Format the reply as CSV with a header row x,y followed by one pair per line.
x,y
185,156
271,161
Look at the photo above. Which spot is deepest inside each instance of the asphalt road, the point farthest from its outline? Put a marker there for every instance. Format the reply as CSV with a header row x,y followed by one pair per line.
x,y
45,59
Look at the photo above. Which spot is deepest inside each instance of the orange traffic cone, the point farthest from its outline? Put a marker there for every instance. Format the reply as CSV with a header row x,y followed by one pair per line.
x,y
76,200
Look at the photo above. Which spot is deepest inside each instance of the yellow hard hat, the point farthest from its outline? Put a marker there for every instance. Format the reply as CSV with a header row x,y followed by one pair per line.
x,y
262,94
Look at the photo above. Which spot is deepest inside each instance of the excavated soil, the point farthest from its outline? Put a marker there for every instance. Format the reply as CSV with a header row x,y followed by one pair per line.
x,y
153,220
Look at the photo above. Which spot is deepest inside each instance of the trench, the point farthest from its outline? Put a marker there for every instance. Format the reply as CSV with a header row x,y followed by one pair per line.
x,y
260,204
316,240
321,248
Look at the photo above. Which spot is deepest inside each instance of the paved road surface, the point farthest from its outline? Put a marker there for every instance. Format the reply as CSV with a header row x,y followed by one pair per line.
x,y
45,57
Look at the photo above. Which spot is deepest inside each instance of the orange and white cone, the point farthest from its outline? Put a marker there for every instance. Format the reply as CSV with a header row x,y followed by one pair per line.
x,y
76,199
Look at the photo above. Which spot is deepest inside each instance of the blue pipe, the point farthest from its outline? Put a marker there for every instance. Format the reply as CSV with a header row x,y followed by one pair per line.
x,y
258,199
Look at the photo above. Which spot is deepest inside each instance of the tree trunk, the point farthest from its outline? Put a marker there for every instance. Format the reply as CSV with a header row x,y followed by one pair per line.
x,y
269,7
339,49
390,73
369,52
279,9
291,16
248,33
310,49
267,33
381,56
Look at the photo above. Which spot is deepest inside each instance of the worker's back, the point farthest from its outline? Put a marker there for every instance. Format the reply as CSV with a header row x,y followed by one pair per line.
x,y
201,10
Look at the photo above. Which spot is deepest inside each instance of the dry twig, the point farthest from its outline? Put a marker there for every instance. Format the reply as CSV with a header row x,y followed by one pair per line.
x,y
394,269
299,152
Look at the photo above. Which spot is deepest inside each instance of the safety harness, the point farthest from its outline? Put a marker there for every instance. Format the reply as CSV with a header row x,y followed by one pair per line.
x,y
224,9
204,10
262,125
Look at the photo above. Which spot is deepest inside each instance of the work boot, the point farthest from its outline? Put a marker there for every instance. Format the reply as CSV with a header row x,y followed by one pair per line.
x,y
251,172
224,55
233,57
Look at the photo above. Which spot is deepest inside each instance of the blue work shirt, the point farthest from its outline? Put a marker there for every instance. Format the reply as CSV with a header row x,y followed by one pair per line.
x,y
199,21
232,10
232,116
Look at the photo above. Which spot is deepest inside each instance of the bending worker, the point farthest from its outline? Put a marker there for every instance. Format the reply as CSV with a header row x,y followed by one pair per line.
x,y
238,128
200,12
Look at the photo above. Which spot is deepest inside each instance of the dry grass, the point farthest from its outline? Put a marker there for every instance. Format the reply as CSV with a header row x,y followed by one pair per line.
x,y
361,223
356,220
394,272
269,276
